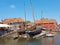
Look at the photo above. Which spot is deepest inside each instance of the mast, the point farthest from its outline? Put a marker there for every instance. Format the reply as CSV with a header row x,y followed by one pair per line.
x,y
25,13
25,10
32,10
41,14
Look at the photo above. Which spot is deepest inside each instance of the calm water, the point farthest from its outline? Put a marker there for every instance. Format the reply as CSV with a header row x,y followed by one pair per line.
x,y
39,41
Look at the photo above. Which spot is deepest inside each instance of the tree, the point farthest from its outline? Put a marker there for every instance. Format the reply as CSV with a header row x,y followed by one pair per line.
x,y
28,21
44,18
59,26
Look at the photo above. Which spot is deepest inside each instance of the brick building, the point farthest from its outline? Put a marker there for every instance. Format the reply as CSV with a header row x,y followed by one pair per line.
x,y
48,24
16,23
11,20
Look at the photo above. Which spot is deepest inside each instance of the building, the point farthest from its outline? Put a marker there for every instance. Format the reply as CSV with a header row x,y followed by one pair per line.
x,y
48,24
17,23
14,22
11,20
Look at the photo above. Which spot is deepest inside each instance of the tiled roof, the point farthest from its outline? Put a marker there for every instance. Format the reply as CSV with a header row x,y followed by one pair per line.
x,y
13,20
44,21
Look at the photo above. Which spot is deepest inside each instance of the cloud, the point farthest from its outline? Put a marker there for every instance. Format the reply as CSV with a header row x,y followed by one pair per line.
x,y
12,6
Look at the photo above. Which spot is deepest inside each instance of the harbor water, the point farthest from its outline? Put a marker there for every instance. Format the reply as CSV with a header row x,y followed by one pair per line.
x,y
36,41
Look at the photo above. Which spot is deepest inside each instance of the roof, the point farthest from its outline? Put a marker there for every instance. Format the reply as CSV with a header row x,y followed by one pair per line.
x,y
12,20
44,21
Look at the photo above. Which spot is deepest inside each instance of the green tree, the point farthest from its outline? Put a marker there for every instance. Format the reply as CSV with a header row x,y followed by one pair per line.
x,y
44,18
28,21
59,26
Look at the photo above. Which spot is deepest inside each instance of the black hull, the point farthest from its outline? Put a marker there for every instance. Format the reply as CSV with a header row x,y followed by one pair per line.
x,y
31,34
22,32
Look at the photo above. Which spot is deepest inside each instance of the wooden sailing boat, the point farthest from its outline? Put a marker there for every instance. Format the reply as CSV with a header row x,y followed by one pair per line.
x,y
34,32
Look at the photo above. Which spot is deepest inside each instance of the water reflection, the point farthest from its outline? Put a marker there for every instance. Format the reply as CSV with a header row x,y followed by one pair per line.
x,y
58,39
40,41
28,41
35,41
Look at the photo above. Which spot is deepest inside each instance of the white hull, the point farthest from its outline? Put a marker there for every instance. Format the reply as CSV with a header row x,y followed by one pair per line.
x,y
50,35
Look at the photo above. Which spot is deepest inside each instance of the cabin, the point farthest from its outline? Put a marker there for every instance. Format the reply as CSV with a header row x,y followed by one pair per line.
x,y
47,24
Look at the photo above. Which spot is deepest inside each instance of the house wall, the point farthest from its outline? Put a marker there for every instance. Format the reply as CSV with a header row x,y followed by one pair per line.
x,y
48,24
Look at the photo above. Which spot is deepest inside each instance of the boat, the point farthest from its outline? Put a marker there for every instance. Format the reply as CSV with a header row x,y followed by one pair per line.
x,y
42,34
50,34
35,33
4,28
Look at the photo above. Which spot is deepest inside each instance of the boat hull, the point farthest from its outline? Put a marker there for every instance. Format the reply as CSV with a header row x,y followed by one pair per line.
x,y
50,35
36,34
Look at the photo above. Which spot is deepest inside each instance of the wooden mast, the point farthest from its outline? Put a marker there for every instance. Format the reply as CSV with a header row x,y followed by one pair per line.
x,y
32,10
41,14
25,10
25,14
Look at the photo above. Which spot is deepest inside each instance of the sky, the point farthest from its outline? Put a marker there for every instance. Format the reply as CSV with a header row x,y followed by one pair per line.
x,y
15,9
